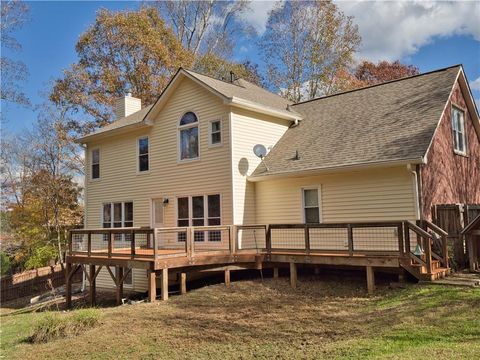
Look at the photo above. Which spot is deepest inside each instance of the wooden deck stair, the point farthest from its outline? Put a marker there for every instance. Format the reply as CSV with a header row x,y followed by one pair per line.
x,y
429,266
420,272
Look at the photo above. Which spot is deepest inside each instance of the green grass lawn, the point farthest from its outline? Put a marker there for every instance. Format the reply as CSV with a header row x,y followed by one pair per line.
x,y
254,320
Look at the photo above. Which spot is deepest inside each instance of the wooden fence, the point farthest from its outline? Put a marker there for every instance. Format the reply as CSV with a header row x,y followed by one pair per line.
x,y
33,282
453,218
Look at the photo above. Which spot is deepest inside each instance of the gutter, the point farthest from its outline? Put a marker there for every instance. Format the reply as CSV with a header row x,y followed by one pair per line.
x,y
249,105
333,169
115,131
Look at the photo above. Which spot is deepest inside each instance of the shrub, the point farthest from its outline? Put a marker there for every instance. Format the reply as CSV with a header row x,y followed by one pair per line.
x,y
4,264
53,326
41,257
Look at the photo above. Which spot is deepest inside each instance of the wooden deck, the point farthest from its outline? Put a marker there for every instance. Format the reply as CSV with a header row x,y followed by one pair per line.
x,y
183,250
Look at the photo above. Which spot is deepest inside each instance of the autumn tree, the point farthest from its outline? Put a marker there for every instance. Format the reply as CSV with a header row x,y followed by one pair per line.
x,y
14,14
371,74
39,190
306,43
367,73
122,51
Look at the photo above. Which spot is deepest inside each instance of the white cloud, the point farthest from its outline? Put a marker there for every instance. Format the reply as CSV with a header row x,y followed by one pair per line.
x,y
392,30
475,85
257,17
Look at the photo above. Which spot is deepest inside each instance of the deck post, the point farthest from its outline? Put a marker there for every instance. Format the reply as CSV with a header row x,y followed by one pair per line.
x,y
428,254
70,243
268,240
293,274
307,239
350,239
183,283
119,281
401,245
152,285
232,238
92,286
164,284
401,275
132,244
370,280
406,238
154,244
227,277
68,285
275,272
89,244
111,239
316,270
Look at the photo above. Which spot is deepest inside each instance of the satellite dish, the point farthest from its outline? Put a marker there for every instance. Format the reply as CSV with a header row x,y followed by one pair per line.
x,y
260,151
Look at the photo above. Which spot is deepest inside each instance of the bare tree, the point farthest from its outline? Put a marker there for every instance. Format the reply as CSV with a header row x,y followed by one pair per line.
x,y
206,27
13,16
305,45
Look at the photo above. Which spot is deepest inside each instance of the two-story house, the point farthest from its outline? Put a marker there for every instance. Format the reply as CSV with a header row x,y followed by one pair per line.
x,y
382,153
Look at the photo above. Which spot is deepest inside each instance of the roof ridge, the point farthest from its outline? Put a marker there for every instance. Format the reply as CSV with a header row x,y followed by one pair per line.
x,y
214,78
380,84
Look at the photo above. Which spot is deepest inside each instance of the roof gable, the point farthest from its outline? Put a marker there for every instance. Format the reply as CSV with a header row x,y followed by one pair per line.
x,y
240,93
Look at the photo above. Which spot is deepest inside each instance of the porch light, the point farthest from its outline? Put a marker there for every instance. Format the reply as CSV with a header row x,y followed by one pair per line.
x,y
418,251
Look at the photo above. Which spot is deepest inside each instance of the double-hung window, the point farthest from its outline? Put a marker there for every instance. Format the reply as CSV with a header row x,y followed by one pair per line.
x,y
458,126
215,132
188,136
311,206
95,164
143,150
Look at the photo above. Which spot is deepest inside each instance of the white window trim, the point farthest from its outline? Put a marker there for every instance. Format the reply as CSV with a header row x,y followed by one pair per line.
x,y
210,133
138,154
112,214
205,209
302,194
99,162
179,145
464,131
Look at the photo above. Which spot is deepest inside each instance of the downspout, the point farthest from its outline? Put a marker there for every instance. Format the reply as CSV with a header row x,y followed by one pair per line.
x,y
84,276
416,190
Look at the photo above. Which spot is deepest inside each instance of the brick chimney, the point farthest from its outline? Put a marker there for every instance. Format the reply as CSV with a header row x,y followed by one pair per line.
x,y
127,105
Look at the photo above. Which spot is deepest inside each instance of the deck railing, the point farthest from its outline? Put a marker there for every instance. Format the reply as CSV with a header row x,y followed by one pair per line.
x,y
397,238
347,238
118,242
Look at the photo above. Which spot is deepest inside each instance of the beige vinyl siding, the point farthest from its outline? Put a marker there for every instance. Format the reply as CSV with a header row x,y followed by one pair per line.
x,y
369,195
249,129
167,177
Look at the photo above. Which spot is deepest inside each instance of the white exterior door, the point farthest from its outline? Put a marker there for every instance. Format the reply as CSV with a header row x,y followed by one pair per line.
x,y
157,213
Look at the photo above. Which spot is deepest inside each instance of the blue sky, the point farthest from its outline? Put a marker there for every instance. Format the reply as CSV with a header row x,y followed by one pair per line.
x,y
430,35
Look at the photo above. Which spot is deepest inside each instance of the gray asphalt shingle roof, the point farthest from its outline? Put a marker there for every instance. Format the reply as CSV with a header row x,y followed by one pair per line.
x,y
131,119
244,90
383,123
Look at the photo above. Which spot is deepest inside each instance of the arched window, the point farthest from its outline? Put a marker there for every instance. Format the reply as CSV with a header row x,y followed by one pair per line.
x,y
188,136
